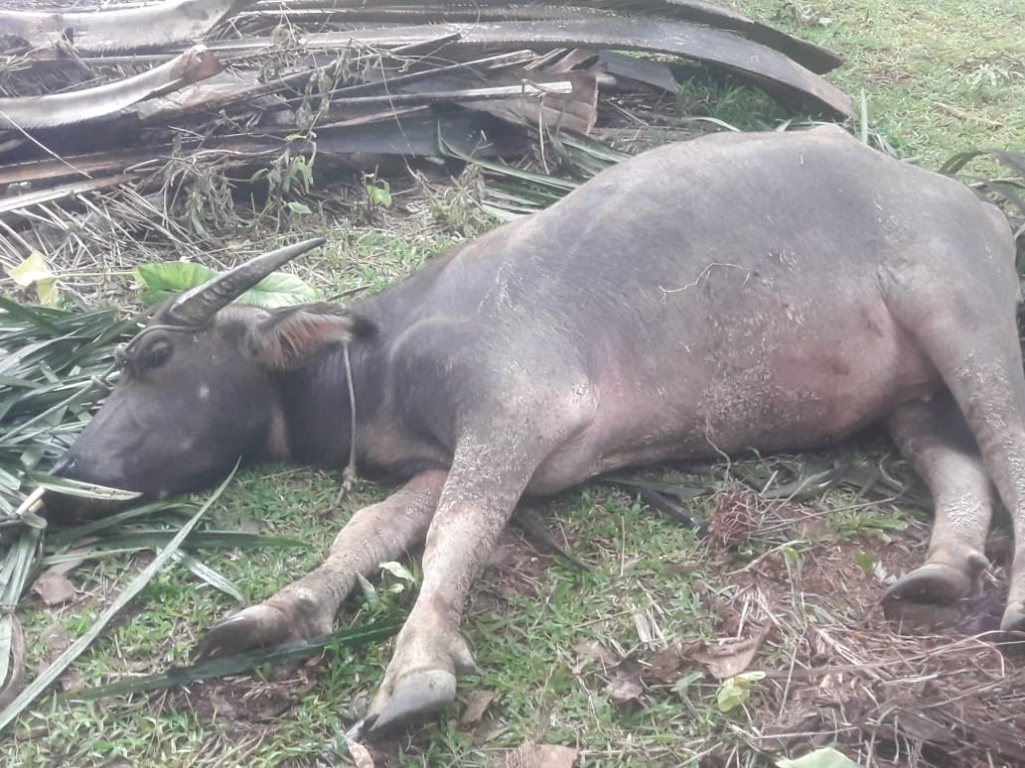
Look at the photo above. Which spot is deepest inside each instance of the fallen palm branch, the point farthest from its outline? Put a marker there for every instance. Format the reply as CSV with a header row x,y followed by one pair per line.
x,y
128,29
1006,190
110,123
241,663
11,712
24,112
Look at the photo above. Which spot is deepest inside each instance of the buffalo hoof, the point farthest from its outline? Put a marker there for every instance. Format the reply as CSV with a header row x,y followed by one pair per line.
x,y
934,583
927,598
1013,624
1014,620
414,696
420,680
259,626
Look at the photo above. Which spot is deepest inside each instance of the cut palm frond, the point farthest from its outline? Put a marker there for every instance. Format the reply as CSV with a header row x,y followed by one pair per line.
x,y
241,663
236,114
11,712
55,365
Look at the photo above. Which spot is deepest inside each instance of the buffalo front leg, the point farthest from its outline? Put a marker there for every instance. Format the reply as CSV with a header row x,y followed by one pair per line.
x,y
307,608
430,651
933,437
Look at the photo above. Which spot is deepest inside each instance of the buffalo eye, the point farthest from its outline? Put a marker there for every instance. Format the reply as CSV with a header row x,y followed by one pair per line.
x,y
153,356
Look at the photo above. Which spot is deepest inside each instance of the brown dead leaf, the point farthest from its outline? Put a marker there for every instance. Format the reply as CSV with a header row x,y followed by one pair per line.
x,y
531,755
476,708
728,658
626,685
55,640
53,588
360,755
249,525
588,651
665,665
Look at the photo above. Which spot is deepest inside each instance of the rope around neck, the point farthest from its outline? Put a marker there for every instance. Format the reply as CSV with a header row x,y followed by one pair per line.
x,y
349,473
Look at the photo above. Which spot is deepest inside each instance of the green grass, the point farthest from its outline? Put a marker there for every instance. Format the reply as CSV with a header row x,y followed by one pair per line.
x,y
939,77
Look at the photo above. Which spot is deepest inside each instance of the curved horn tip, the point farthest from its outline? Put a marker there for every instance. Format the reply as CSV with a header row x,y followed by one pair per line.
x,y
199,305
286,253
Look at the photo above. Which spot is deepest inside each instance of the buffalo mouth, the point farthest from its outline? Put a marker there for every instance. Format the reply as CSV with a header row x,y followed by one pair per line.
x,y
64,509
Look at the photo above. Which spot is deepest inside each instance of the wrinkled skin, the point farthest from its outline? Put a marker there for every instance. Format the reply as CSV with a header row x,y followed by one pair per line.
x,y
767,291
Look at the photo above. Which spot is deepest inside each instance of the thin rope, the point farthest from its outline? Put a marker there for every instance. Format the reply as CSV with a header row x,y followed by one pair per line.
x,y
349,476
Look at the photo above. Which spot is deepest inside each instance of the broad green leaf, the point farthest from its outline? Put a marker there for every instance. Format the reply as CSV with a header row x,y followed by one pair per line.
x,y
379,194
136,541
162,281
241,663
85,490
15,313
687,681
47,292
827,757
280,289
210,575
369,591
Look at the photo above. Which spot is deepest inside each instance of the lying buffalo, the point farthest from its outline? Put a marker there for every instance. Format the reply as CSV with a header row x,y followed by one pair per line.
x,y
754,291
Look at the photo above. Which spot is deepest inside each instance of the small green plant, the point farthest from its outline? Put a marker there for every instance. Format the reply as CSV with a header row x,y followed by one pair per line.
x,y
989,81
735,691
288,178
396,580
197,192
376,197
846,524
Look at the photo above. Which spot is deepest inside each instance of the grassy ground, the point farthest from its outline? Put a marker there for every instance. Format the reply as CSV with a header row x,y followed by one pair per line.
x,y
938,76
575,655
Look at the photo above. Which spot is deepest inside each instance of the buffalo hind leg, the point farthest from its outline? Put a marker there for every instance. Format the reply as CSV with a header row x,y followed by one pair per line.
x,y
307,608
933,437
984,373
967,329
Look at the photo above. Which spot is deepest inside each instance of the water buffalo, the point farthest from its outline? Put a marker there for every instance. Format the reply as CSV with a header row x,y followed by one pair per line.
x,y
772,291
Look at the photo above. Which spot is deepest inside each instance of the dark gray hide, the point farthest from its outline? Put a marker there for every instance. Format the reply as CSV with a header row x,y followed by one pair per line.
x,y
769,291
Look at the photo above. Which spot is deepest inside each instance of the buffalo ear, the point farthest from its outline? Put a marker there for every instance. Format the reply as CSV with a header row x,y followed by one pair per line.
x,y
293,337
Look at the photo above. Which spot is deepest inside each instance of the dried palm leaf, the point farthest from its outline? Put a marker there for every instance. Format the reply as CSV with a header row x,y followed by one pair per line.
x,y
126,29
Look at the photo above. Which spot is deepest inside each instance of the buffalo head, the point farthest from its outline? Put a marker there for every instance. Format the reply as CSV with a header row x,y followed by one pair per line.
x,y
200,387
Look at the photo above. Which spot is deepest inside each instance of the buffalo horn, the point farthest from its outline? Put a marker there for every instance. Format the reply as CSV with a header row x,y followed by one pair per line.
x,y
197,306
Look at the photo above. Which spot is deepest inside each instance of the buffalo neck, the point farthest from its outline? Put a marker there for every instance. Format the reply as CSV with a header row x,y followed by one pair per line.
x,y
315,405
